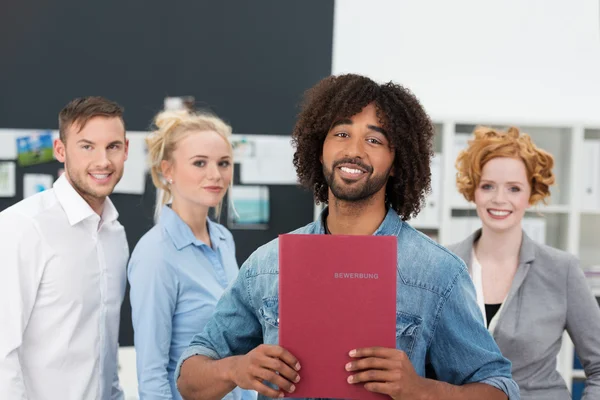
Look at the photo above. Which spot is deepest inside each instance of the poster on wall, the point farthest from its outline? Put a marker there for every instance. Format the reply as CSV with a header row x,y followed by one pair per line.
x,y
180,103
134,174
264,159
250,207
243,148
35,148
36,183
8,144
7,179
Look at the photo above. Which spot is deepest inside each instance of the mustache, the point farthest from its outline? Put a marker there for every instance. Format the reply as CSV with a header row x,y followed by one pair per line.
x,y
355,161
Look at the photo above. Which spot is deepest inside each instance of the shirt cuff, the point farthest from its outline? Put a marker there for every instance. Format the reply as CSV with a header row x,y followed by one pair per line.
x,y
507,385
195,351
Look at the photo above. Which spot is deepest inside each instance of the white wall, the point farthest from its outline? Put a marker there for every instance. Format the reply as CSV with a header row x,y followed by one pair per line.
x,y
534,61
128,372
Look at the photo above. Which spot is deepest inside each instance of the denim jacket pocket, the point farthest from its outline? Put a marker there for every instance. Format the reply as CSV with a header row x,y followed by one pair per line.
x,y
408,327
270,311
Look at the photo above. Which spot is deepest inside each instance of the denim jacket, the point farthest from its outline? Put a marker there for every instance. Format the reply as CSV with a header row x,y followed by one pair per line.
x,y
438,323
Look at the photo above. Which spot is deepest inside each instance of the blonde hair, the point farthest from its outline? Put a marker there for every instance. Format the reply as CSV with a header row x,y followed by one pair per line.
x,y
490,143
172,127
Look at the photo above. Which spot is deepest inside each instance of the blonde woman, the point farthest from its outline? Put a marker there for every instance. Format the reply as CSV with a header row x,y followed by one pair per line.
x,y
528,293
180,268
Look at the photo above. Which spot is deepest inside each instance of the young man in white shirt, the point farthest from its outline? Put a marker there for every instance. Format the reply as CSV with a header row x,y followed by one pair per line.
x,y
63,268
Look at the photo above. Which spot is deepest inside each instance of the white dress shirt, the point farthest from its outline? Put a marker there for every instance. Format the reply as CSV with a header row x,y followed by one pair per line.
x,y
476,272
62,282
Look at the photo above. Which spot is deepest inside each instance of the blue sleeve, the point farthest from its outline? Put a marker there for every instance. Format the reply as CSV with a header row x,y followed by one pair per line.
x,y
153,298
234,328
462,350
249,395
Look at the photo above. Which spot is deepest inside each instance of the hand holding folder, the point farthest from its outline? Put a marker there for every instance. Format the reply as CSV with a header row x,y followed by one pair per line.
x,y
269,363
386,371
336,293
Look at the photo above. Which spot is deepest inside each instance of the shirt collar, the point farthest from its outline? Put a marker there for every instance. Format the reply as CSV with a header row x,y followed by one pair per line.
x,y
390,226
180,232
76,208
110,213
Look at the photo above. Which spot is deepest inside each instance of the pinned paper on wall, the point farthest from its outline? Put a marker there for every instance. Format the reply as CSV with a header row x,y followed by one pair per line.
x,y
36,183
180,103
265,159
244,148
8,144
251,205
8,186
134,174
35,148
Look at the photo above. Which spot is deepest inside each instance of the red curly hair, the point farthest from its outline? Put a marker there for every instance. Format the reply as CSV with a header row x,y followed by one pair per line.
x,y
490,143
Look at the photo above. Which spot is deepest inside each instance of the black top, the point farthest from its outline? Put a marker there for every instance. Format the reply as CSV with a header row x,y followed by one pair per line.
x,y
490,311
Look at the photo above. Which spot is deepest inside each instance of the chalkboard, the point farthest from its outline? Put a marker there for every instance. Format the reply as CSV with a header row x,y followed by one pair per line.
x,y
249,62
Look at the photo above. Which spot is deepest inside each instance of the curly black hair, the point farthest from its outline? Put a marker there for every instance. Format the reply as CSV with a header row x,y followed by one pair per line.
x,y
409,128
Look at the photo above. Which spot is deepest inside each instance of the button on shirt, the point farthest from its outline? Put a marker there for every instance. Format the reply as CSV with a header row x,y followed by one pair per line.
x,y
176,281
62,282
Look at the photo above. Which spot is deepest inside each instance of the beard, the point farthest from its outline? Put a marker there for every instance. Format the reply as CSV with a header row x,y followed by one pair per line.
x,y
80,182
355,191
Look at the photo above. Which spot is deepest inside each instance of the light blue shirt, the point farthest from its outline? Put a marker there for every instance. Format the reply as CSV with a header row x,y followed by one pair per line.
x,y
176,281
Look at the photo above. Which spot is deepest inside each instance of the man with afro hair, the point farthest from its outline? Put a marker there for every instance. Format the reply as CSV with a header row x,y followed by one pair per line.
x,y
365,150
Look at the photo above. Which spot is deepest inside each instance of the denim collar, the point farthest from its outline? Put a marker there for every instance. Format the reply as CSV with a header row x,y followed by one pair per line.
x,y
391,225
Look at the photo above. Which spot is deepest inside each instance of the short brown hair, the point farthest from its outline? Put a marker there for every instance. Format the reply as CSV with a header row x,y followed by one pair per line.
x,y
490,143
79,111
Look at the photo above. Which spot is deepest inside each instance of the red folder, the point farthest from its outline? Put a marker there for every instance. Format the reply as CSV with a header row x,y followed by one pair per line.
x,y
336,293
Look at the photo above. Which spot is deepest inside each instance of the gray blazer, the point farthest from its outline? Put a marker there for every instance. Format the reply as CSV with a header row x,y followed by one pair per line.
x,y
549,294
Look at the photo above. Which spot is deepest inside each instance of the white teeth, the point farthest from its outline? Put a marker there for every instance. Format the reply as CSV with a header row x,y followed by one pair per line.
x,y
351,170
97,176
499,213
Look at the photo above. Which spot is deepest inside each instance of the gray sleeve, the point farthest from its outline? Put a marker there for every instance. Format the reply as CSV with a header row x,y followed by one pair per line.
x,y
583,325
